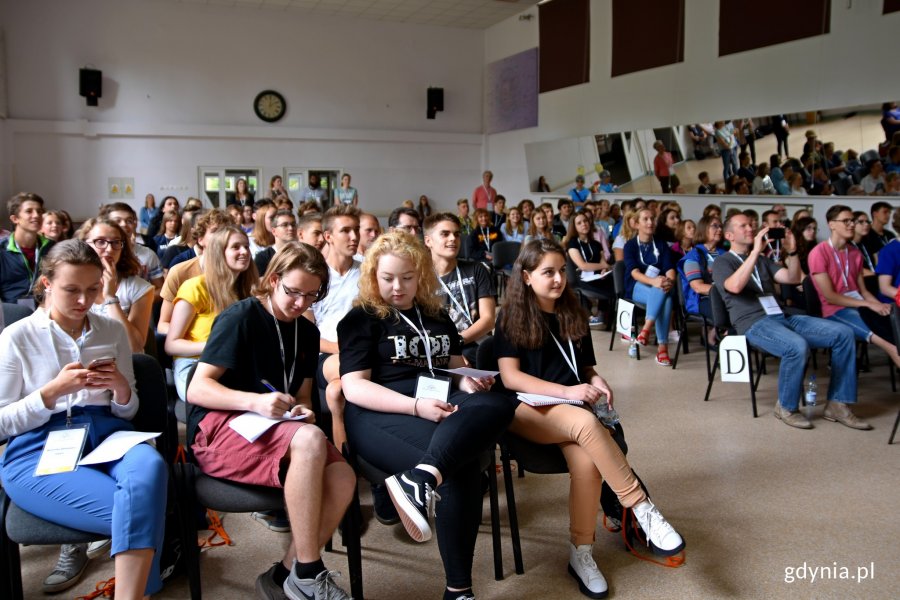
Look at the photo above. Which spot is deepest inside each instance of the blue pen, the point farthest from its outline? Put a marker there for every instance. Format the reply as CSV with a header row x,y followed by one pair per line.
x,y
268,385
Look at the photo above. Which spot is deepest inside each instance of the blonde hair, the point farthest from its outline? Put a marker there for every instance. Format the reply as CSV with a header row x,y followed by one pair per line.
x,y
402,245
626,231
226,287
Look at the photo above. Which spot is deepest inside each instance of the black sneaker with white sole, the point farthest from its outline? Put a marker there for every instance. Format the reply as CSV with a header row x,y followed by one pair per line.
x,y
412,493
385,513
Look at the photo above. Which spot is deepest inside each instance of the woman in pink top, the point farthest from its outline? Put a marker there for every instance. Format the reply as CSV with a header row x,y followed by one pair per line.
x,y
485,195
836,269
662,165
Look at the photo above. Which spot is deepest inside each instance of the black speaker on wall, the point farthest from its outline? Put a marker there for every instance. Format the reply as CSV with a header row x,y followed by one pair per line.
x,y
90,85
435,101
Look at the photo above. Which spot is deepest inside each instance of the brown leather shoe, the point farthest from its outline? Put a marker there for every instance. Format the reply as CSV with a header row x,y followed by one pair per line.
x,y
841,413
792,418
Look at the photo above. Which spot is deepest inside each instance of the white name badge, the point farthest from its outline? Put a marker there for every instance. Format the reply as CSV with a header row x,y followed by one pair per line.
x,y
853,294
590,276
770,305
62,450
652,271
437,388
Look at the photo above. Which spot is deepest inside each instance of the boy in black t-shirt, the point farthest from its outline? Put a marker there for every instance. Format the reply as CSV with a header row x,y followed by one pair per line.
x,y
261,358
467,290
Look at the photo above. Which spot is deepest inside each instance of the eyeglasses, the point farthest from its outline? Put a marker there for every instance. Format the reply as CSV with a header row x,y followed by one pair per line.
x,y
298,295
864,222
715,226
846,222
408,228
102,244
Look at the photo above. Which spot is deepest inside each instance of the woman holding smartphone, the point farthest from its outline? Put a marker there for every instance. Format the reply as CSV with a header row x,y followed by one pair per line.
x,y
45,386
543,346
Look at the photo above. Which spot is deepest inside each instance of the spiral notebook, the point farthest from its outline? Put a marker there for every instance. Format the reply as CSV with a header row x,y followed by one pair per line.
x,y
541,400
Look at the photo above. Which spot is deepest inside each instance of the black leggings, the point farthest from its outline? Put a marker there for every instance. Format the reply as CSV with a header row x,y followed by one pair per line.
x,y
395,443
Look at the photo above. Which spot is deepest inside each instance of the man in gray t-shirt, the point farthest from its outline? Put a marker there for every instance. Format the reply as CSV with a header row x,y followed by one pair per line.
x,y
745,279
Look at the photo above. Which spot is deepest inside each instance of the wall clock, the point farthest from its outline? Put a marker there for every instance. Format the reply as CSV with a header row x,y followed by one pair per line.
x,y
269,106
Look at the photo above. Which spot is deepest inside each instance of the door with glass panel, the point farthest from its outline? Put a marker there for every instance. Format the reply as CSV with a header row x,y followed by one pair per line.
x,y
219,184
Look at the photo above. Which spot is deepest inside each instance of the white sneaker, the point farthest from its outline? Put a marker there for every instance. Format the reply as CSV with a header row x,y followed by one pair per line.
x,y
662,537
674,336
100,548
583,568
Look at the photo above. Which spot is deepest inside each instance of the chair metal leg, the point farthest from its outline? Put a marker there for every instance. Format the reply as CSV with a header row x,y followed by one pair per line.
x,y
706,347
754,384
893,431
712,377
184,477
612,329
511,509
11,582
352,525
495,521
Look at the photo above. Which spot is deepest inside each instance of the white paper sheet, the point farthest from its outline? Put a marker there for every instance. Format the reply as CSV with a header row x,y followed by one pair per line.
x,y
252,425
115,446
542,400
468,372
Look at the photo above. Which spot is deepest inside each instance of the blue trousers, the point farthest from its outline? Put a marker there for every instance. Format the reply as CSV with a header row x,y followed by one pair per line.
x,y
790,337
659,307
125,500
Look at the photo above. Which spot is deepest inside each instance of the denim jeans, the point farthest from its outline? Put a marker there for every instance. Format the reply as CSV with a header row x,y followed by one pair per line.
x,y
852,319
659,307
790,337
727,162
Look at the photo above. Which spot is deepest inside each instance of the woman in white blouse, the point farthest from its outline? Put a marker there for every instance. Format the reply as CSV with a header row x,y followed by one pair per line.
x,y
66,368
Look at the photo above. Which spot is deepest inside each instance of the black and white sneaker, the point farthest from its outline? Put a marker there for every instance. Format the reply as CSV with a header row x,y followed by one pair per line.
x,y
661,537
385,513
412,493
322,587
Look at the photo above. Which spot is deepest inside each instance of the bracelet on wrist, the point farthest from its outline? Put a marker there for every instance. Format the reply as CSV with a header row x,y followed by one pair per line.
x,y
112,300
415,407
794,253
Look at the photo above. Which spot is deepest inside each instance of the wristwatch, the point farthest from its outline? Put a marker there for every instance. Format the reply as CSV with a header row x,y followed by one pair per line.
x,y
794,253
108,301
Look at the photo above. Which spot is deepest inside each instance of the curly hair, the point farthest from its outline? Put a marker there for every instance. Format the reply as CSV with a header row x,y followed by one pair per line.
x,y
128,264
521,317
406,246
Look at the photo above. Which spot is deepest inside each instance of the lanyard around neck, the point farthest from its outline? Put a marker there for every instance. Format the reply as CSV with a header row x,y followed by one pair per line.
x,y
641,252
423,335
845,269
583,255
487,237
464,307
288,379
754,275
569,361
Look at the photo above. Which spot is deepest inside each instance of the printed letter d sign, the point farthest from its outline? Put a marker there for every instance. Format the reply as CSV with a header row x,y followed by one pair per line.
x,y
734,360
624,316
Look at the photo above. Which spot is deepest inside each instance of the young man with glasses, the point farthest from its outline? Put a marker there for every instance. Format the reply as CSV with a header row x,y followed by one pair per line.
x,y
746,280
124,215
284,228
20,255
261,358
836,269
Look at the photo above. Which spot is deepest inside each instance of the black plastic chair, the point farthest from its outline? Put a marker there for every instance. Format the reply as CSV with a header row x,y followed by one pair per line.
x,y
686,318
722,322
895,326
21,527
197,489
13,313
619,284
503,255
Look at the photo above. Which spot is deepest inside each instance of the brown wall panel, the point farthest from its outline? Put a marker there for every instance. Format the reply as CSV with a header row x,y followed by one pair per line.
x,y
646,34
750,25
565,43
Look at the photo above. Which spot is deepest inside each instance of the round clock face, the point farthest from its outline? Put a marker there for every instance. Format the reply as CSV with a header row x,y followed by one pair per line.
x,y
269,106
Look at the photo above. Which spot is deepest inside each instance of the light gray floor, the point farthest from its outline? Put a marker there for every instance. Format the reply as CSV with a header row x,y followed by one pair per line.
x,y
752,497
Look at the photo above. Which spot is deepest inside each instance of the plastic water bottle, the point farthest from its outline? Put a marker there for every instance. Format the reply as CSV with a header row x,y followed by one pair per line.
x,y
812,389
607,415
633,347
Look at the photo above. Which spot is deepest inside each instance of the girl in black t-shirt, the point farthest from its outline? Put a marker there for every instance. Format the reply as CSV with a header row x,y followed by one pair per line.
x,y
543,346
406,417
587,254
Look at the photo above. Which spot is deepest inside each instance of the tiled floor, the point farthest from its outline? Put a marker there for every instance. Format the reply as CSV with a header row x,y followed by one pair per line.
x,y
753,498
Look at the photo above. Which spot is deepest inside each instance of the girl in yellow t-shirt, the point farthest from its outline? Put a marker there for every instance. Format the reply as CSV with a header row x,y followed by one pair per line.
x,y
229,275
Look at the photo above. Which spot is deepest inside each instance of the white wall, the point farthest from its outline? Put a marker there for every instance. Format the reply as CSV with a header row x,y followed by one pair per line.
x,y
821,72
179,81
